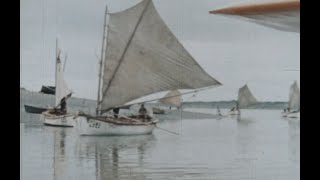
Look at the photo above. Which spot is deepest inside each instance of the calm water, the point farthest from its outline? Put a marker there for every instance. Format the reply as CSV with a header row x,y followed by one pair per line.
x,y
259,145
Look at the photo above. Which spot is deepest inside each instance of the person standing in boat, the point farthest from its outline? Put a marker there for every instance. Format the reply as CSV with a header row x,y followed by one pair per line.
x,y
116,112
142,111
63,105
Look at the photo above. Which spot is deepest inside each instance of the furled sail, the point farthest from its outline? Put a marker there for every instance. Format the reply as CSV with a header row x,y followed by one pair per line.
x,y
144,57
172,98
61,86
282,15
245,97
294,97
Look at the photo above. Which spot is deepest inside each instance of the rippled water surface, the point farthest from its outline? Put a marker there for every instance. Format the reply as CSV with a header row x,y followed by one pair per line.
x,y
258,145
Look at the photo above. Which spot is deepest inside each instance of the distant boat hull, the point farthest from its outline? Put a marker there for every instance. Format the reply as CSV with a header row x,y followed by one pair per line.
x,y
294,114
48,90
66,120
92,126
158,111
34,110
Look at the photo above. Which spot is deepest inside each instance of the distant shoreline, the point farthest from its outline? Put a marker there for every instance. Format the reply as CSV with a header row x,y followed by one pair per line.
x,y
230,104
200,104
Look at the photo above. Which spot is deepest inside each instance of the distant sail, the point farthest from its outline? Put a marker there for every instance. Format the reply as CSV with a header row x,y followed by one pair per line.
x,y
245,97
294,97
62,89
282,15
144,57
172,98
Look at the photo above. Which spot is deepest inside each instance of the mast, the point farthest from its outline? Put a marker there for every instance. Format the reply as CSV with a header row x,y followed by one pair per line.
x,y
101,61
56,63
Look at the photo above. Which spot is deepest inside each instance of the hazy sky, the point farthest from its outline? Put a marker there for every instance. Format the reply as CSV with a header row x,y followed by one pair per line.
x,y
233,51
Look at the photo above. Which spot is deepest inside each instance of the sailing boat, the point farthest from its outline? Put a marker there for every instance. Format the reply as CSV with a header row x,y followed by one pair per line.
x,y
142,57
293,110
172,98
52,116
245,99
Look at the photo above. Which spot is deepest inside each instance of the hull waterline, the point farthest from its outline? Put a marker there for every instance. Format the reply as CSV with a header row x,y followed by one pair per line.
x,y
95,127
66,120
293,115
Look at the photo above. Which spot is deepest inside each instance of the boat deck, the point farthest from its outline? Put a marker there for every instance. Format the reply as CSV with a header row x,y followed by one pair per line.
x,y
121,120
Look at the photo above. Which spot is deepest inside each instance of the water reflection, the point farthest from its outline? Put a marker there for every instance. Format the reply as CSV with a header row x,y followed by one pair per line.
x,y
245,121
263,147
59,160
245,135
116,157
294,139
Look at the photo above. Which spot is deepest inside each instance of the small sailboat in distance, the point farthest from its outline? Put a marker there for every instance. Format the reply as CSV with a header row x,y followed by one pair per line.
x,y
293,110
141,57
245,99
172,98
54,116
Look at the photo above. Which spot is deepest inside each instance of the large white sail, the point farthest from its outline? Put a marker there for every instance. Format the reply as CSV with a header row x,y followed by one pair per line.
x,y
143,57
282,15
62,89
294,97
172,98
245,97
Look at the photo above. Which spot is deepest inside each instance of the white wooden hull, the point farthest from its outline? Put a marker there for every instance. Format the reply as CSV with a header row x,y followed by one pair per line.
x,y
293,115
66,120
96,127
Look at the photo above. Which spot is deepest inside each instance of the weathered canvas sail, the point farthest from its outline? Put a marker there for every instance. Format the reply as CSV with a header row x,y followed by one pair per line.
x,y
61,86
172,98
143,57
245,97
294,97
282,15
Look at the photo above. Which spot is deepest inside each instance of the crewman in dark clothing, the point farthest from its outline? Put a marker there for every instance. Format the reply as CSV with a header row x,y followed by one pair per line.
x,y
63,105
116,112
142,111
